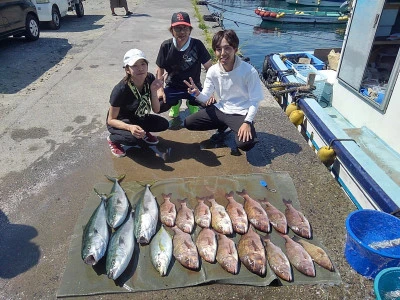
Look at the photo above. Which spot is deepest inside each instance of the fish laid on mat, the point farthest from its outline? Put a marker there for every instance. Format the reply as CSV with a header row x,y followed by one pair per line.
x,y
167,211
146,217
317,253
220,220
117,205
185,218
256,214
161,251
206,243
277,260
202,214
276,217
95,234
299,257
185,250
297,221
252,253
227,255
120,249
235,210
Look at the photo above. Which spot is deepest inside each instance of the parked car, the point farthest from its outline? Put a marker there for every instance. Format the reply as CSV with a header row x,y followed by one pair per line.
x,y
19,18
51,11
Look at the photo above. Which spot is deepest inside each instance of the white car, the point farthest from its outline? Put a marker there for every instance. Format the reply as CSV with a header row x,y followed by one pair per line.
x,y
52,11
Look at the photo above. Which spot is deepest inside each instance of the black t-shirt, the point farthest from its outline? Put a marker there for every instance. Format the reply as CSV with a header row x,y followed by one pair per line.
x,y
123,97
181,65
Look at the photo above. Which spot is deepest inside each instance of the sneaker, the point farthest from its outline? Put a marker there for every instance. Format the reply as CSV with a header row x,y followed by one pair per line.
x,y
220,134
150,139
116,149
114,14
129,13
174,111
193,108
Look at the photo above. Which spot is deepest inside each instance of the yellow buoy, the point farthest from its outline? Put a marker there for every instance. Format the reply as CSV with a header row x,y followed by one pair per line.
x,y
277,88
326,155
296,117
291,107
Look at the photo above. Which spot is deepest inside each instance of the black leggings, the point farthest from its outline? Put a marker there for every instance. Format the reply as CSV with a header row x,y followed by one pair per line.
x,y
212,118
151,123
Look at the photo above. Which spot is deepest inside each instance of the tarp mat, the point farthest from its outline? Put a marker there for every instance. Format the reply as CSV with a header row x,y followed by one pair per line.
x,y
80,279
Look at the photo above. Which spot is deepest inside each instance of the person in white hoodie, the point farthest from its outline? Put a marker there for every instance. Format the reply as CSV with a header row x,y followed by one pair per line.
x,y
238,91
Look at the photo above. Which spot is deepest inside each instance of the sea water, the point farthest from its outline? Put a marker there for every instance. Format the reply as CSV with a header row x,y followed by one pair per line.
x,y
259,38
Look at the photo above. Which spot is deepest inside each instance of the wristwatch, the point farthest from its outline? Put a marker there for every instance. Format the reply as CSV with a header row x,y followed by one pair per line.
x,y
247,122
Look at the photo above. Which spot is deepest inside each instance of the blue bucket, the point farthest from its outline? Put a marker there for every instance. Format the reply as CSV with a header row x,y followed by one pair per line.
x,y
373,241
387,284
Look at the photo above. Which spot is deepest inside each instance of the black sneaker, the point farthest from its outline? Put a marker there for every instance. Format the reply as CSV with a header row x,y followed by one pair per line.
x,y
220,135
129,13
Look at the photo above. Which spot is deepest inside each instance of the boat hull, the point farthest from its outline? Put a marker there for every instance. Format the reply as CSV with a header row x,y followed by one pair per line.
x,y
326,3
305,19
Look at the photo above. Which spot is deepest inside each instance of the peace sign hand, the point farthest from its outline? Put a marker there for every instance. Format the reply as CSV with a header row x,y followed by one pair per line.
x,y
192,88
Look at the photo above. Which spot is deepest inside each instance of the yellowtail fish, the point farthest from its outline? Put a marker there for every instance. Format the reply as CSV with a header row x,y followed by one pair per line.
x,y
120,248
167,211
299,257
252,253
146,217
95,234
202,214
185,218
227,255
220,220
255,213
117,205
297,221
277,260
236,212
161,251
206,243
276,217
317,254
184,250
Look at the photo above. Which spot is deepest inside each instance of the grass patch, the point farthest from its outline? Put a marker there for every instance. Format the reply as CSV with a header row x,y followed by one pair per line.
x,y
206,30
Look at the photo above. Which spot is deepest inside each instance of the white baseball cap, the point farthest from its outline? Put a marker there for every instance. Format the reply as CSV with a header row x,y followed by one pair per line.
x,y
132,56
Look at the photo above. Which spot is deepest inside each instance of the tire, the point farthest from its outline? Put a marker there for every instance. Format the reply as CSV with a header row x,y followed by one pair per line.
x,y
80,11
32,31
209,18
55,22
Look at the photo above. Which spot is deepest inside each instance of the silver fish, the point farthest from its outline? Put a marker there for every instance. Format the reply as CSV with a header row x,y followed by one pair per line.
x,y
185,250
202,214
120,248
206,243
220,220
117,205
95,234
146,217
297,221
161,251
277,260
252,252
227,255
185,217
167,211
276,217
299,257
236,212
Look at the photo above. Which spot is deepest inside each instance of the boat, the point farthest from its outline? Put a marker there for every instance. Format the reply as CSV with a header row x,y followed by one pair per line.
x,y
325,3
298,16
352,107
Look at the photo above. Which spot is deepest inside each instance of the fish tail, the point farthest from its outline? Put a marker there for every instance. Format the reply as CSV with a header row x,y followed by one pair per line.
x,y
103,197
286,201
115,179
166,196
201,199
229,195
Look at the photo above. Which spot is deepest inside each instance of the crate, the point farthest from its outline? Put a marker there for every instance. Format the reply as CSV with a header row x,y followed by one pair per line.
x,y
302,71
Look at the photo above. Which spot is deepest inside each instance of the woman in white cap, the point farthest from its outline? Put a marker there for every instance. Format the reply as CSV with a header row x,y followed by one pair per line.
x,y
181,57
129,118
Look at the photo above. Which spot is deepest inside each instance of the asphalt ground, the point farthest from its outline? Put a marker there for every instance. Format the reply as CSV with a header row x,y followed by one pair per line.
x,y
53,103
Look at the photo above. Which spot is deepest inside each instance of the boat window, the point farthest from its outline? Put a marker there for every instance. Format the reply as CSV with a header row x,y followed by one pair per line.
x,y
372,73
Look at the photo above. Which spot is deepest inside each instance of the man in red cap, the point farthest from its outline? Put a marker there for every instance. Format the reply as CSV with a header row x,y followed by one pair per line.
x,y
181,57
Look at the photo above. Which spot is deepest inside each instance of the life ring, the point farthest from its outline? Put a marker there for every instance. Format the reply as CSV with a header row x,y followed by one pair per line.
x,y
266,14
273,15
257,11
